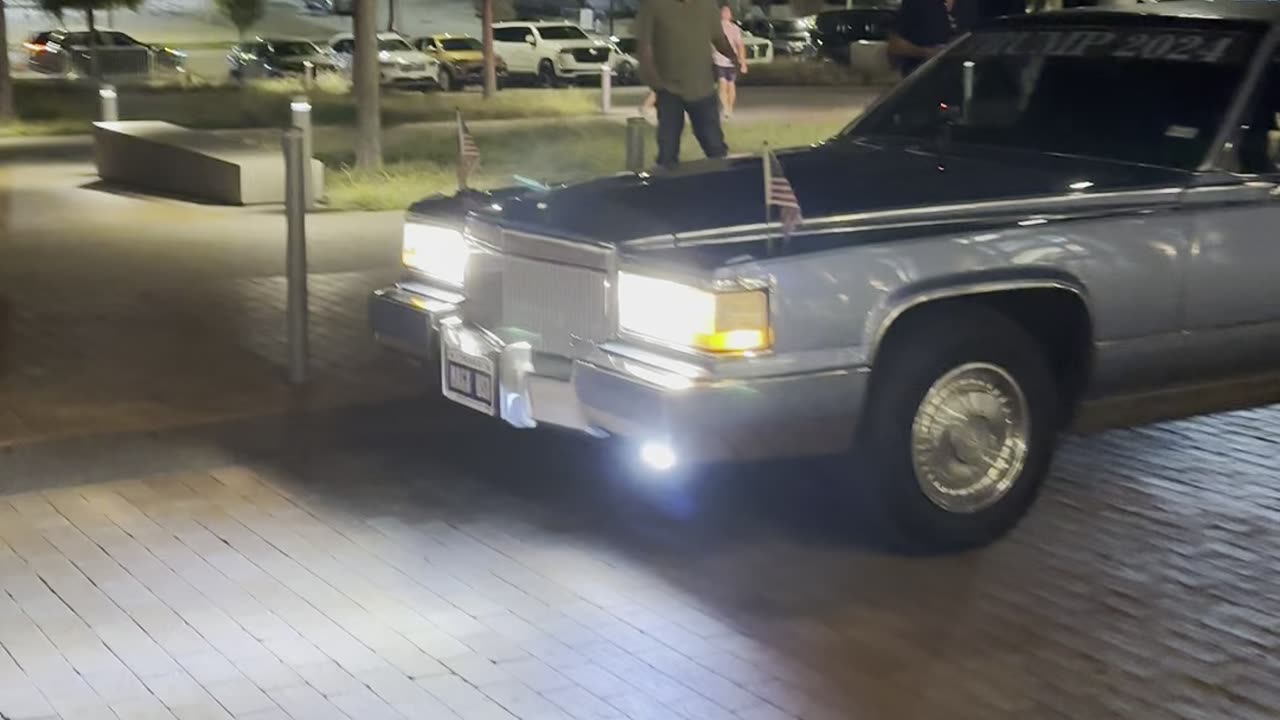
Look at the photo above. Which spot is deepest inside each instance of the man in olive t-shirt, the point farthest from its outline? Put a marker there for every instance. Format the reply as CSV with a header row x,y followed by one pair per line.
x,y
674,39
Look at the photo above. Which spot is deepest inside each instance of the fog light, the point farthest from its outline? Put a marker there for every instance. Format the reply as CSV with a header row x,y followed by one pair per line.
x,y
659,456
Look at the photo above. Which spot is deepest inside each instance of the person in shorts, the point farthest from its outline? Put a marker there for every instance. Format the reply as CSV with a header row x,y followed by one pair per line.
x,y
727,69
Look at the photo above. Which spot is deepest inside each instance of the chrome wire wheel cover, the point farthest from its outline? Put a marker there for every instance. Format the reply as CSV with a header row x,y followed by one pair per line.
x,y
969,437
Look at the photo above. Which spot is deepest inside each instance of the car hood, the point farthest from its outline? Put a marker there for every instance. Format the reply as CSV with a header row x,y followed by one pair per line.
x,y
837,178
580,44
413,56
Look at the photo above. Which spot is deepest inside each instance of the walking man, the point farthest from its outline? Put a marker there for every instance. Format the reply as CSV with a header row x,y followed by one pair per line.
x,y
672,37
924,27
727,68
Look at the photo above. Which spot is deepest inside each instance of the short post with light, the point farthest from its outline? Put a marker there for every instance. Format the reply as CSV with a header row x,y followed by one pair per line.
x,y
295,254
301,115
967,86
606,89
308,75
109,108
636,127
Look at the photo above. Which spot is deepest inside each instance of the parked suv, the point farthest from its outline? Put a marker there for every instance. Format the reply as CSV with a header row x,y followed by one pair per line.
x,y
552,53
399,63
461,60
858,36
59,52
276,57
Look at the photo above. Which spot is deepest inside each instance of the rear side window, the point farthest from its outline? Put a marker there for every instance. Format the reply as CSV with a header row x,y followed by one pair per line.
x,y
510,34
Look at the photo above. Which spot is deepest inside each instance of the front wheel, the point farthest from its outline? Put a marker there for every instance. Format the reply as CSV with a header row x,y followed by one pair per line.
x,y
546,74
959,427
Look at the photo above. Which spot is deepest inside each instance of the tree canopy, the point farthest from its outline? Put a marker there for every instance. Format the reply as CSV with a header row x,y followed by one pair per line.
x,y
242,13
58,8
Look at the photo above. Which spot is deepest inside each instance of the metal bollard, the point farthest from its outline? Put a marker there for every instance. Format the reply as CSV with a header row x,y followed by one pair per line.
x,y
606,89
301,115
295,255
967,80
109,106
308,75
636,128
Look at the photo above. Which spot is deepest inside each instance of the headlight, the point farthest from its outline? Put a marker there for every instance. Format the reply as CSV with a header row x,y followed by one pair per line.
x,y
437,251
670,312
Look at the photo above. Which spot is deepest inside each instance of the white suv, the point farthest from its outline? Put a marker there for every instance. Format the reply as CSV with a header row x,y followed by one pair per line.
x,y
399,63
551,52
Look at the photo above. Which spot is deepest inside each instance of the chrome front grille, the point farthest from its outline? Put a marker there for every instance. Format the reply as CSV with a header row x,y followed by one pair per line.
x,y
543,291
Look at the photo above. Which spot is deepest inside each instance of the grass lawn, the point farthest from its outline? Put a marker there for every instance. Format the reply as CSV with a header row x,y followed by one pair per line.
x,y
55,108
420,161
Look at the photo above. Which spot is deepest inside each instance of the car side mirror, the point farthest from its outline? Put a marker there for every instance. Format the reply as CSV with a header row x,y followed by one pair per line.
x,y
531,39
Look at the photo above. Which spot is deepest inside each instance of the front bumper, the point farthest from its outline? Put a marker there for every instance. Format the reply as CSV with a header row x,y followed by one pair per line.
x,y
397,76
474,74
619,389
567,66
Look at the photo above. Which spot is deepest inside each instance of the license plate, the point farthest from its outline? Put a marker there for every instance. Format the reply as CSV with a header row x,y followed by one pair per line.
x,y
468,380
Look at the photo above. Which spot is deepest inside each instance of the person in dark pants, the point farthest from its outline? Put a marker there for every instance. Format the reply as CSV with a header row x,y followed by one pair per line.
x,y
925,26
674,39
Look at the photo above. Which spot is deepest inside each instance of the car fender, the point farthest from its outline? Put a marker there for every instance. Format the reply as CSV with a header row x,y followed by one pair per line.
x,y
896,303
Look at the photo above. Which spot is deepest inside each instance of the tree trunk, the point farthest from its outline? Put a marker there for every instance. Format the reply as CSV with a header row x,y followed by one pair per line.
x,y
6,80
486,41
366,77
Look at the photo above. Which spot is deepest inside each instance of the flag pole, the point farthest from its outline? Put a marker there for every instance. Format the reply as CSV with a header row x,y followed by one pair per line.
x,y
768,183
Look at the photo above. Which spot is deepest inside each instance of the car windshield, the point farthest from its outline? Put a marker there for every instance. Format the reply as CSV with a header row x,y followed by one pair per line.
x,y
1151,95
456,44
393,45
561,32
286,49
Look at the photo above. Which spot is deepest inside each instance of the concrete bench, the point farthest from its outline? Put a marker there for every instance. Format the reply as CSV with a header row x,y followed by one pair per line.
x,y
168,159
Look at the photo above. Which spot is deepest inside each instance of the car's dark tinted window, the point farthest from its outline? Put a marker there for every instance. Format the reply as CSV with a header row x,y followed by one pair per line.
x,y
390,44
1147,95
456,44
293,48
561,32
120,39
344,46
510,34
850,25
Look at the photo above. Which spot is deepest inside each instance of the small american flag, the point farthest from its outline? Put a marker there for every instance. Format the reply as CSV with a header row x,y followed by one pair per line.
x,y
779,193
468,153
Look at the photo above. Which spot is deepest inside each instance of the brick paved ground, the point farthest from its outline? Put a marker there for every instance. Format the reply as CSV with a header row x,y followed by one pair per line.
x,y
121,313
414,561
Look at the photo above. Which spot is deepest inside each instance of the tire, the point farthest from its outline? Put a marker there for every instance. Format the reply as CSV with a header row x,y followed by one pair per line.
x,y
546,75
922,484
444,79
626,73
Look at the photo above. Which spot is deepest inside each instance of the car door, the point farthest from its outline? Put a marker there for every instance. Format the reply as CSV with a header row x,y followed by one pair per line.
x,y
342,50
1232,302
510,43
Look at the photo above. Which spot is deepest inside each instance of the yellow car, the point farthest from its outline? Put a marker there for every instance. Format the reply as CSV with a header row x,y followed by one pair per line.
x,y
461,60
